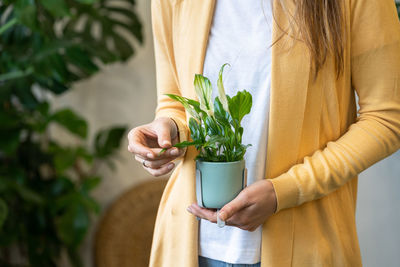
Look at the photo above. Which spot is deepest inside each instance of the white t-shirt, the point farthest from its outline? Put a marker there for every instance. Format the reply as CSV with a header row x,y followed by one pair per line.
x,y
240,35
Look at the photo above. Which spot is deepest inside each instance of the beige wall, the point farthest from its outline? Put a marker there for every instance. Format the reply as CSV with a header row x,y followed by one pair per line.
x,y
126,94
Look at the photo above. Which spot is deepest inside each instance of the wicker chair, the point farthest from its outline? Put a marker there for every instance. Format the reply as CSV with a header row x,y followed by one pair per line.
x,y
124,235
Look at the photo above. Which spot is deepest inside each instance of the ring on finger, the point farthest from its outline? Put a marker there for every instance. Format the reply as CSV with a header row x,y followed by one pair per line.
x,y
144,163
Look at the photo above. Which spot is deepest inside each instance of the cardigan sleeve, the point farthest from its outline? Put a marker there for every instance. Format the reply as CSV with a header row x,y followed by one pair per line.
x,y
375,75
166,76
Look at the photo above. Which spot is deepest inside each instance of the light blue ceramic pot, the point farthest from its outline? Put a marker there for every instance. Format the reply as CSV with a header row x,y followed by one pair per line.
x,y
217,183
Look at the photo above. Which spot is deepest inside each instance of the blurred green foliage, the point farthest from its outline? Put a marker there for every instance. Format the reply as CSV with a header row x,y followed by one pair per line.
x,y
398,8
45,187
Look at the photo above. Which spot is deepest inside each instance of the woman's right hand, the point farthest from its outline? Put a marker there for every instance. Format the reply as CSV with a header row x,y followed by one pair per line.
x,y
146,142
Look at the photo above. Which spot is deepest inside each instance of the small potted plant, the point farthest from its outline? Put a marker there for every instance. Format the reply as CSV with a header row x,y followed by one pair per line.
x,y
216,132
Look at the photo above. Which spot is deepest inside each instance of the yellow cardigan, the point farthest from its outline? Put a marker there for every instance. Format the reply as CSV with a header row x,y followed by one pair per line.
x,y
316,143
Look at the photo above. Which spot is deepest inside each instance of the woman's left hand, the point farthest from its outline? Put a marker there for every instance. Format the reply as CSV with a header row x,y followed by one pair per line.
x,y
250,209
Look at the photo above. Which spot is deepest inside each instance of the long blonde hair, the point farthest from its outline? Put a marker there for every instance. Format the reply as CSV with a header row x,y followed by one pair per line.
x,y
320,25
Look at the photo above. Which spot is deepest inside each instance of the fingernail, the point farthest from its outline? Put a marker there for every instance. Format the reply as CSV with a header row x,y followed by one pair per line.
x,y
220,222
175,152
189,210
170,166
150,155
165,142
221,215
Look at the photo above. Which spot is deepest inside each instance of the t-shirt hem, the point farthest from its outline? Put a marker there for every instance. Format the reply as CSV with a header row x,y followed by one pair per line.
x,y
248,256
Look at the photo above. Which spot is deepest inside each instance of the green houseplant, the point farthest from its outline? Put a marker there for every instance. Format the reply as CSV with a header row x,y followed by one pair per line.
x,y
216,132
398,8
46,204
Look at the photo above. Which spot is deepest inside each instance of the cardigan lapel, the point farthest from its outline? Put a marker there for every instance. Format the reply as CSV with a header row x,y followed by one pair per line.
x,y
199,19
289,85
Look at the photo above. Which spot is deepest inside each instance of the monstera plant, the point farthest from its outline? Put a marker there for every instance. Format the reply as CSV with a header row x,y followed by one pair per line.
x,y
45,187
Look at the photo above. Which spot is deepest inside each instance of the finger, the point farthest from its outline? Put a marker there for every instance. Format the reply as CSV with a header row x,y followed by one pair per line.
x,y
237,220
252,228
166,168
234,206
136,145
153,164
163,135
172,152
142,150
208,214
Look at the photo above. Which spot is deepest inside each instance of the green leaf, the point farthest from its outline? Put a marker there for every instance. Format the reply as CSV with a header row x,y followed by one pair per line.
x,y
64,159
72,225
162,151
215,141
74,257
25,11
71,121
203,88
398,8
240,133
3,212
51,84
187,143
9,141
61,185
104,53
134,25
52,48
239,151
90,203
43,108
193,107
15,74
56,7
84,154
222,117
80,59
90,183
25,96
108,141
221,89
28,194
240,105
212,127
196,132
8,25
124,48
86,1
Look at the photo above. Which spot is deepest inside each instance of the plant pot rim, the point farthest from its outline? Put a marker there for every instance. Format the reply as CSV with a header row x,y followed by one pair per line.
x,y
219,162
